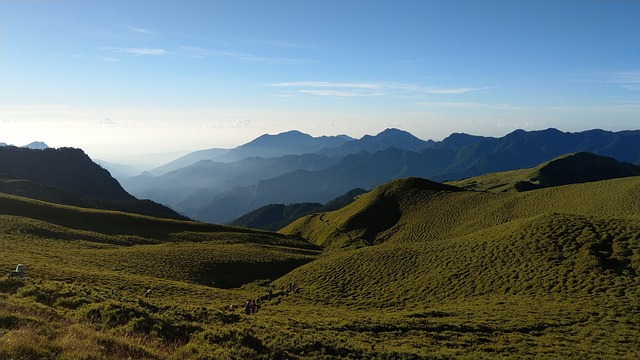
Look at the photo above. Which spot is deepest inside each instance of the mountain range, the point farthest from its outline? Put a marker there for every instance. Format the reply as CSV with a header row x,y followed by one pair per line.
x,y
220,185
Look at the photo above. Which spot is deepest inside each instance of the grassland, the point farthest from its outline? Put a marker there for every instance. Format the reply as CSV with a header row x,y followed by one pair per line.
x,y
410,270
568,169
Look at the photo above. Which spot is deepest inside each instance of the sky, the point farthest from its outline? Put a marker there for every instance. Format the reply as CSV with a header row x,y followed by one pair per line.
x,y
121,79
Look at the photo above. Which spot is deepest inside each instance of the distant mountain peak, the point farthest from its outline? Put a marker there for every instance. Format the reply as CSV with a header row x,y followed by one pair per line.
x,y
394,131
288,135
36,145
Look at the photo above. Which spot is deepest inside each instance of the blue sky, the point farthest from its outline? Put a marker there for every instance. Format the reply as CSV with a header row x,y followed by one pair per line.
x,y
119,78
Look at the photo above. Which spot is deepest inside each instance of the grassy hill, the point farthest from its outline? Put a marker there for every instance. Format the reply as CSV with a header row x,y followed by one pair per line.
x,y
545,264
116,241
413,269
417,210
568,169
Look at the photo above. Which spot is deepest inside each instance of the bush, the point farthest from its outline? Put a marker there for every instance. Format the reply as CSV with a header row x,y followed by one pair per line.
x,y
113,313
10,285
234,338
55,293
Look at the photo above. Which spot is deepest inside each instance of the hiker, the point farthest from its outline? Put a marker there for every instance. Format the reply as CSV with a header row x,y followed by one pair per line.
x,y
19,271
269,292
247,307
253,306
147,293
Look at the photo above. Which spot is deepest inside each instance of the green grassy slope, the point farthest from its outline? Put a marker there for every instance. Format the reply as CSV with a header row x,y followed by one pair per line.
x,y
412,270
558,265
568,169
52,238
402,212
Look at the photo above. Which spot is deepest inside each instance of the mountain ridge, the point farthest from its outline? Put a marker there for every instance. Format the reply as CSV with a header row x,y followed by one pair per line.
x,y
69,176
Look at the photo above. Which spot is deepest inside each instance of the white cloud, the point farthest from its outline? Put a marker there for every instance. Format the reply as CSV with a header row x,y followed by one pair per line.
x,y
137,51
242,122
327,84
106,122
338,93
451,91
467,105
139,30
328,88
629,80
201,53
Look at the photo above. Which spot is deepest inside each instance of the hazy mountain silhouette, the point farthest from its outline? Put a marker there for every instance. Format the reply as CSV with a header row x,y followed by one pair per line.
x,y
266,146
389,138
195,185
221,192
118,171
36,145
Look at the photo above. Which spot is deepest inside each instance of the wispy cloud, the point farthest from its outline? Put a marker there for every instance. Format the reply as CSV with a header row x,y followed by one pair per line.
x,y
273,60
451,91
467,105
326,84
137,51
139,30
342,89
201,53
338,93
629,80
110,59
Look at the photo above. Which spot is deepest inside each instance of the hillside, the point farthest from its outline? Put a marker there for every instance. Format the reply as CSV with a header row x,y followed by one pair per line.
x,y
568,169
413,269
190,251
417,210
68,176
567,256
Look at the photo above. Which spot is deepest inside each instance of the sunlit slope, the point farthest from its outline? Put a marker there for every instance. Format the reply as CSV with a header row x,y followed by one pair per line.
x,y
132,228
67,242
561,254
417,211
568,169
577,244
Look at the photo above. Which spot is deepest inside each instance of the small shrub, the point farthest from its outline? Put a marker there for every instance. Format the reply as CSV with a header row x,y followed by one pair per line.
x,y
113,313
8,321
10,285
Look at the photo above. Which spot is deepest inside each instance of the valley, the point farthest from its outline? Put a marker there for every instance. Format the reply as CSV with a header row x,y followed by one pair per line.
x,y
412,269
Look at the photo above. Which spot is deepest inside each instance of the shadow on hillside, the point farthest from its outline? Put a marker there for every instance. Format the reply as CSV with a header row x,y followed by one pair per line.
x,y
234,275
378,217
